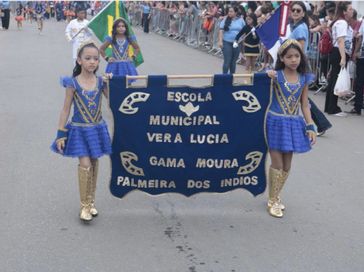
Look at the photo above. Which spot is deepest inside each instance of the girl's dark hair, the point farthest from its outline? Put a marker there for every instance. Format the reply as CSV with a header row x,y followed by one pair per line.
x,y
340,8
302,67
77,70
114,27
316,19
303,6
228,19
254,18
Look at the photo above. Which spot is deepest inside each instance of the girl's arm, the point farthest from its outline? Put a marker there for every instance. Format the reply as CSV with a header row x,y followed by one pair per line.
x,y
305,107
341,44
136,48
103,47
106,79
241,32
221,34
302,43
357,47
64,116
66,108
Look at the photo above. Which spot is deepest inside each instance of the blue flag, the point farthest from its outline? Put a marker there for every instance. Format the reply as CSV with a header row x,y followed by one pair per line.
x,y
179,139
274,31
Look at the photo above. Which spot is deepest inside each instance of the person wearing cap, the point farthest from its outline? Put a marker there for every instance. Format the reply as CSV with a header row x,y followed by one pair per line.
x,y
77,31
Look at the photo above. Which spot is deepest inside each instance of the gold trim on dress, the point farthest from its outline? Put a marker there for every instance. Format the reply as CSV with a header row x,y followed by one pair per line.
x,y
251,45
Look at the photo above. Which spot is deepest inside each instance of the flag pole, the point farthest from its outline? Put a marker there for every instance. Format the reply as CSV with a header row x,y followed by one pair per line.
x,y
84,28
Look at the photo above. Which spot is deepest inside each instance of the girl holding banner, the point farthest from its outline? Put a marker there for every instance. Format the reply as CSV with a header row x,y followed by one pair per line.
x,y
287,131
86,136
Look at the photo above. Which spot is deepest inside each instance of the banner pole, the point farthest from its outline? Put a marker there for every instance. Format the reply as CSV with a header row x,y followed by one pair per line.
x,y
189,76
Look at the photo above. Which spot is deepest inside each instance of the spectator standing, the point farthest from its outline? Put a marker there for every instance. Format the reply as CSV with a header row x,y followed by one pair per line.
x,y
229,28
5,14
358,57
339,56
146,16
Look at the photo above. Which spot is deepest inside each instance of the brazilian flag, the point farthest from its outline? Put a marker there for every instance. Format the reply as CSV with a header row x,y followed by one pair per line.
x,y
101,25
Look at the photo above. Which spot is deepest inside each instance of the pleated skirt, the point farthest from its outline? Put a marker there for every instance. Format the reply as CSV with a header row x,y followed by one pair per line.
x,y
287,133
86,141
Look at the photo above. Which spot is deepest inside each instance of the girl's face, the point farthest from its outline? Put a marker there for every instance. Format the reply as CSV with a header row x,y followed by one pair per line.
x,y
231,13
349,12
89,59
297,13
249,21
291,59
121,29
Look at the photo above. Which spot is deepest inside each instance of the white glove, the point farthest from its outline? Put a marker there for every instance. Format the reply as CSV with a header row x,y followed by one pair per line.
x,y
235,44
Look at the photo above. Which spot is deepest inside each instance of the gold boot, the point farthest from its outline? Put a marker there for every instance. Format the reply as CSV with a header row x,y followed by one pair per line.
x,y
84,181
275,185
95,169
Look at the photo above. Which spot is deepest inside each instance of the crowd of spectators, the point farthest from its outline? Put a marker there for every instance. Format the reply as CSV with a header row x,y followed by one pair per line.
x,y
202,24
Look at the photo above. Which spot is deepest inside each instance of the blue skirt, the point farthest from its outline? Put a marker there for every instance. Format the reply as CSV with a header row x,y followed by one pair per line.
x,y
121,68
91,141
287,133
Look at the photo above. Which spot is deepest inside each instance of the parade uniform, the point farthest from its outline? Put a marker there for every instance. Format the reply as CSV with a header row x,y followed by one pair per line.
x,y
286,129
251,42
85,136
83,35
122,65
87,133
286,132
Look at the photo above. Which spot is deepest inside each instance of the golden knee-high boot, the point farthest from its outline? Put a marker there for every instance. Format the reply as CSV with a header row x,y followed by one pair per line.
x,y
84,181
284,177
95,169
276,182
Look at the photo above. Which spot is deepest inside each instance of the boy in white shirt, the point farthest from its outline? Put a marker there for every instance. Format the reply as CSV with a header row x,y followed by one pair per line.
x,y
77,32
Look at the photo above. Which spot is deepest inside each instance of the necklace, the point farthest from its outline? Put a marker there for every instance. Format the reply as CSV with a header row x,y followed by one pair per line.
x,y
90,97
121,42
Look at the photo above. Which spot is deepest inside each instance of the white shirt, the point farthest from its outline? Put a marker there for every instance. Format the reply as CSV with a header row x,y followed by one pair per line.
x,y
72,29
342,29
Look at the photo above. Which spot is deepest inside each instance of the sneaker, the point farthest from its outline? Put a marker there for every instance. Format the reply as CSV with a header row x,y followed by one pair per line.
x,y
321,133
341,114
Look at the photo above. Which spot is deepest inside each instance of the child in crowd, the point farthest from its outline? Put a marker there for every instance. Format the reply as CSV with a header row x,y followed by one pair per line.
x,y
251,41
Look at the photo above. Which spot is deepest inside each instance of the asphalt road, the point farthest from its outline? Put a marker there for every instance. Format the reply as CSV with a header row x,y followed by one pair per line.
x,y
322,229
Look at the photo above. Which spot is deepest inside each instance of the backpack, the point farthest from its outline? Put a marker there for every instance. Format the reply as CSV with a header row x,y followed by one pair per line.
x,y
325,43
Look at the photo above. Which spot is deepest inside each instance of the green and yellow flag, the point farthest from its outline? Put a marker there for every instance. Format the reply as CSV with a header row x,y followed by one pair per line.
x,y
101,25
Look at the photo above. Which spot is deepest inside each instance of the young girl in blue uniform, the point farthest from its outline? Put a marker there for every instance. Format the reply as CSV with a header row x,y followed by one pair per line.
x,y
86,136
287,131
120,63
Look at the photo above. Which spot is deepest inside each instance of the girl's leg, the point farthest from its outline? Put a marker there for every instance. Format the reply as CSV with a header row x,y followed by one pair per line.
x,y
248,64
235,56
95,170
85,185
227,52
287,160
252,64
275,183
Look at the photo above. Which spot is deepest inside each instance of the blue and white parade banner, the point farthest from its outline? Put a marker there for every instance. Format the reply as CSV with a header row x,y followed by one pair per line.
x,y
178,139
